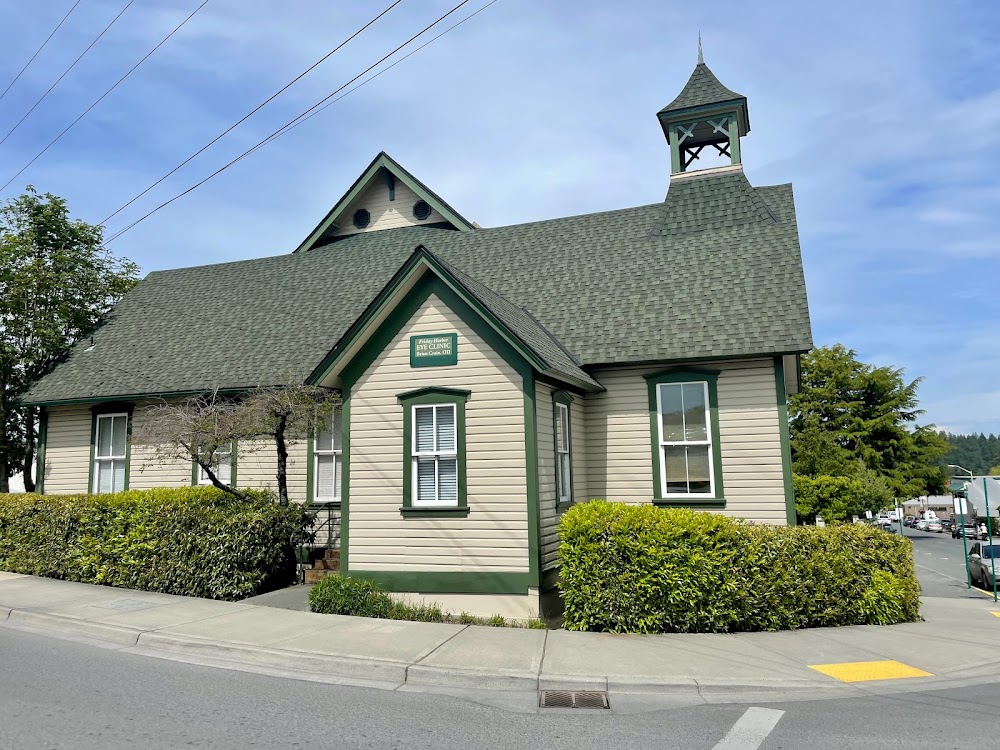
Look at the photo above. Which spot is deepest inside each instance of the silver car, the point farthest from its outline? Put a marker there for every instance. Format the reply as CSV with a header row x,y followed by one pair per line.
x,y
981,564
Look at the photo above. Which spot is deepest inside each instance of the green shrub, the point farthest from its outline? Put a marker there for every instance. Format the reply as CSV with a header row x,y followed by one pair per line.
x,y
643,569
536,624
343,595
496,621
194,541
417,613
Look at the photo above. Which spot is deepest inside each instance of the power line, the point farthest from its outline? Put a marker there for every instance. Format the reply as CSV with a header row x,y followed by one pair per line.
x,y
39,50
102,96
65,72
253,111
290,124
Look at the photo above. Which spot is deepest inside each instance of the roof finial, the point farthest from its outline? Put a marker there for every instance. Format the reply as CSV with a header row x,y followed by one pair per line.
x,y
701,57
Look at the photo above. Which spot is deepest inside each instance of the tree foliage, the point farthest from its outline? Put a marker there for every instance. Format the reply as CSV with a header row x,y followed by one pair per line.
x,y
977,453
56,283
852,419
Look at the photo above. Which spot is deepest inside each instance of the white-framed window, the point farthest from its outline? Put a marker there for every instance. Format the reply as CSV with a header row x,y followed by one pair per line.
x,y
110,445
327,460
435,456
685,439
222,467
564,473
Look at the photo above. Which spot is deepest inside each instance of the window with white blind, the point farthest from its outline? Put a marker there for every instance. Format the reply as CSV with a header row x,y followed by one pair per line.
x,y
685,439
327,458
564,468
435,455
222,467
434,452
110,452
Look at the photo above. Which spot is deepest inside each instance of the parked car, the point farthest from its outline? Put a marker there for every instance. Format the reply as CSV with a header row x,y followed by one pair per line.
x,y
908,521
934,526
981,563
969,531
921,525
947,524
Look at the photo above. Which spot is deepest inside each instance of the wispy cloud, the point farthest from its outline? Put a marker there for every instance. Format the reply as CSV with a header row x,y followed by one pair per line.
x,y
889,130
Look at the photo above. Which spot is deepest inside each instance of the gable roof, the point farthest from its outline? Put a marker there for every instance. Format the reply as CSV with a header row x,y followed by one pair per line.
x,y
515,324
702,89
376,170
636,285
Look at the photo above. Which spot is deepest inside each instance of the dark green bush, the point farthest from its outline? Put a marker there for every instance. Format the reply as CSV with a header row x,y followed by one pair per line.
x,y
342,595
195,541
642,569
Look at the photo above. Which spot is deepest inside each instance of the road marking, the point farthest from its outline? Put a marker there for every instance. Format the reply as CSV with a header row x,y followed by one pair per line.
x,y
863,671
996,614
751,730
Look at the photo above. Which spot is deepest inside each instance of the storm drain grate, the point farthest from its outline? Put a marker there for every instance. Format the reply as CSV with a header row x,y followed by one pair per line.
x,y
574,699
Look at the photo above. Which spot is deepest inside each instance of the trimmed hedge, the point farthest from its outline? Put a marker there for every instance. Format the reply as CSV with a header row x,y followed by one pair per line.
x,y
643,569
195,541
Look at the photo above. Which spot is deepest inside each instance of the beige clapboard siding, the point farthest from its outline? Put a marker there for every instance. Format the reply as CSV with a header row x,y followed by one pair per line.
x,y
547,500
619,453
385,213
67,450
257,467
494,536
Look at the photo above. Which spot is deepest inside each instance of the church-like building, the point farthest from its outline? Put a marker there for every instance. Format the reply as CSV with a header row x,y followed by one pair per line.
x,y
491,377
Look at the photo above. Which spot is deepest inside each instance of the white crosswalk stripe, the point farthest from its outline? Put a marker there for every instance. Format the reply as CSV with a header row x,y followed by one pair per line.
x,y
751,730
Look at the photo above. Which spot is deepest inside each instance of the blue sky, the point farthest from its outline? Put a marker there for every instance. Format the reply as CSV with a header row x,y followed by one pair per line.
x,y
885,116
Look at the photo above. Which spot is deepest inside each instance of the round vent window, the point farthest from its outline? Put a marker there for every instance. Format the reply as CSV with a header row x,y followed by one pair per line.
x,y
362,218
421,210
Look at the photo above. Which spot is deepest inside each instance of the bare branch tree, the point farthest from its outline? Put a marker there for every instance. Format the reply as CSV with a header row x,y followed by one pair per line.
x,y
194,429
198,428
287,413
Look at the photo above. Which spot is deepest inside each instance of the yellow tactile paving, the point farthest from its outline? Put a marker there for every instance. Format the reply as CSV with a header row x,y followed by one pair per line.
x,y
862,671
996,614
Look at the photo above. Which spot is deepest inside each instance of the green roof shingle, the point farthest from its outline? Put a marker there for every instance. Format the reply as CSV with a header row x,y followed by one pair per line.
x,y
702,88
715,271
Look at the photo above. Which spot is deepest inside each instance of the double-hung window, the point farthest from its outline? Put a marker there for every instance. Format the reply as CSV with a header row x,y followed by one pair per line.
x,y
434,452
564,460
435,455
222,466
686,451
110,452
327,458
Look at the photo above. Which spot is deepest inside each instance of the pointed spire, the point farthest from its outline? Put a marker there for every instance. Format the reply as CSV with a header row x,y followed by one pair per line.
x,y
701,56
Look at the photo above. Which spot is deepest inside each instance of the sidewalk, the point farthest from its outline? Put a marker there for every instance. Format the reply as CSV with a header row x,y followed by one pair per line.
x,y
957,645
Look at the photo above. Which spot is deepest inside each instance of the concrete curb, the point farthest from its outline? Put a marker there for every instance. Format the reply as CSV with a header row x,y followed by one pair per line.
x,y
75,626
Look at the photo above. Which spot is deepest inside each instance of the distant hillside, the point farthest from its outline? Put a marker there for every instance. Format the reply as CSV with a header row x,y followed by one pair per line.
x,y
977,453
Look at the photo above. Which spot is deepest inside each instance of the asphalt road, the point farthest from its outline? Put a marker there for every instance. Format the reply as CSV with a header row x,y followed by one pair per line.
x,y
57,693
940,564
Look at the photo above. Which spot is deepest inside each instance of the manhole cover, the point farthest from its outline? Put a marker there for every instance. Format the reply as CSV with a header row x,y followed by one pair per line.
x,y
574,699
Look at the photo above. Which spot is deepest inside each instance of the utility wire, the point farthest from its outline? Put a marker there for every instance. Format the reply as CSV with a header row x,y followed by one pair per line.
x,y
101,97
284,128
39,50
65,72
253,111
386,69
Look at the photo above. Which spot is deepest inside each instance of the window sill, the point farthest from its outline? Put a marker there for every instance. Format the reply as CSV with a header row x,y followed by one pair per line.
x,y
421,512
690,502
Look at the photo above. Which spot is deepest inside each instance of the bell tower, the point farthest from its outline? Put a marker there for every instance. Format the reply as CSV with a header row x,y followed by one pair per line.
x,y
705,114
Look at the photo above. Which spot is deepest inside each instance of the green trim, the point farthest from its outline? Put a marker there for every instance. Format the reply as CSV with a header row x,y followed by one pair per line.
x,y
675,149
345,476
734,140
384,162
786,445
531,479
194,473
434,360
420,512
93,445
448,583
442,284
433,396
43,432
686,376
433,390
564,398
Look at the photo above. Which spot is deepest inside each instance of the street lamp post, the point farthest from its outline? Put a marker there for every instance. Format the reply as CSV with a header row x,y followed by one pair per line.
x,y
961,533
